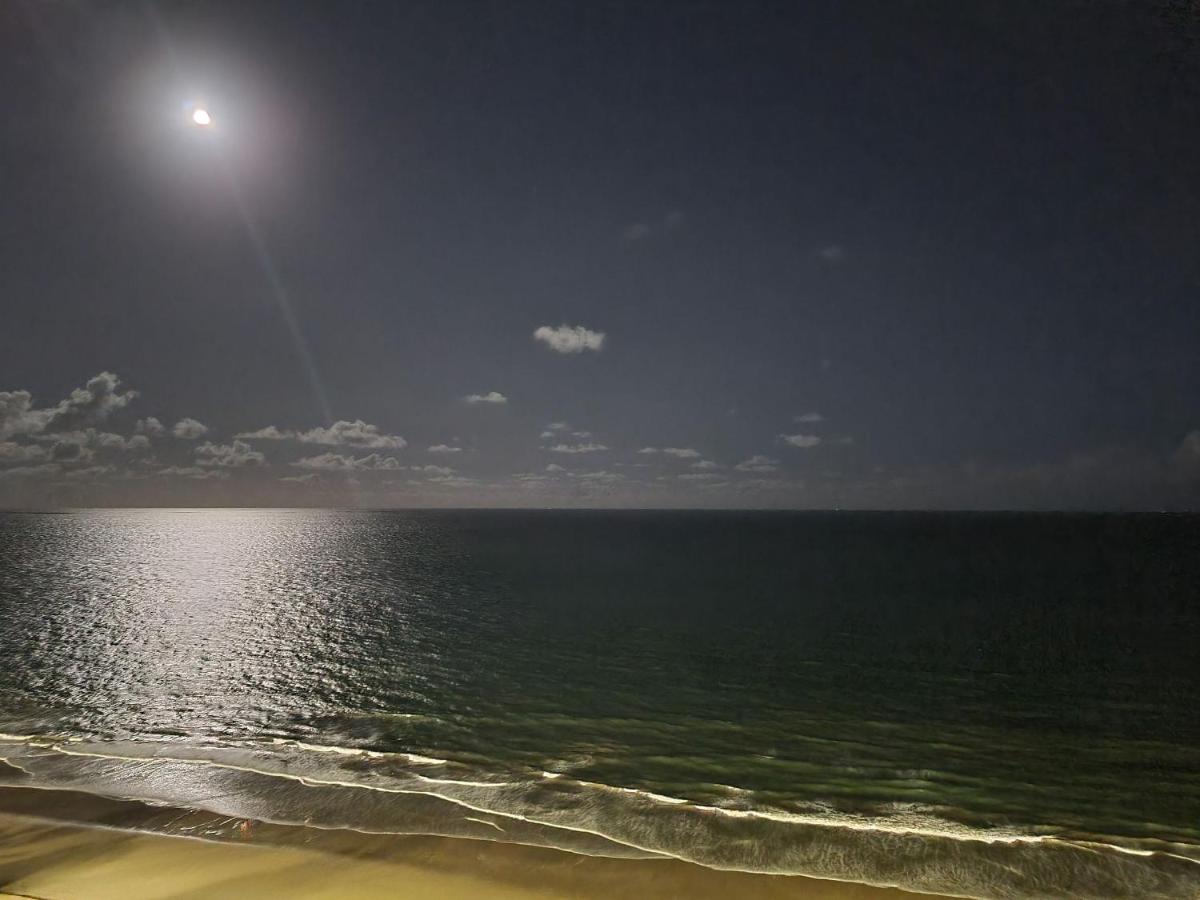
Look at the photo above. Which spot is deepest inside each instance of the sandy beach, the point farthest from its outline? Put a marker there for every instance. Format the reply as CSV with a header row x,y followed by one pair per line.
x,y
69,846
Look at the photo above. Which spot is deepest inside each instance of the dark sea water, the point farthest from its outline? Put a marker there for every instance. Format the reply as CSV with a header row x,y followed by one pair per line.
x,y
985,705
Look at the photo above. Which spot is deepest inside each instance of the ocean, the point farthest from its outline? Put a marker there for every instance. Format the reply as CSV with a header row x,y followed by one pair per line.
x,y
982,705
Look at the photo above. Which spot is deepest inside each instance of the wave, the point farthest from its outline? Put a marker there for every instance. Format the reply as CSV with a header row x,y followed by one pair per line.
x,y
289,782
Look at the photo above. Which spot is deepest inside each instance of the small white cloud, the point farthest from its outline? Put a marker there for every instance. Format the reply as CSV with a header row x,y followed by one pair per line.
x,y
569,338
648,450
192,472
601,476
270,433
577,448
189,429
758,463
444,448
555,467
705,464
702,476
810,417
558,426
682,452
237,455
803,441
832,253
489,397
432,470
352,434
306,478
337,462
342,433
150,427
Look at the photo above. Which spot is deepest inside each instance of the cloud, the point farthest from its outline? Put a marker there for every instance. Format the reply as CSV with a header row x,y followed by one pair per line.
x,y
235,455
352,434
758,463
93,402
569,338
81,445
677,452
554,467
17,415
577,448
444,448
810,417
192,472
832,253
12,452
432,470
702,476
340,434
150,427
270,433
597,477
90,404
705,464
453,481
69,451
189,429
337,462
489,397
558,426
803,441
306,478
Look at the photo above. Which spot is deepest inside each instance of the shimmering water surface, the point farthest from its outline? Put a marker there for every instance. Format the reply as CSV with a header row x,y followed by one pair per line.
x,y
987,705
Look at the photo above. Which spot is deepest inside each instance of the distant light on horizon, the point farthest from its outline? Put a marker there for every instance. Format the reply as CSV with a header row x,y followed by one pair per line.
x,y
201,117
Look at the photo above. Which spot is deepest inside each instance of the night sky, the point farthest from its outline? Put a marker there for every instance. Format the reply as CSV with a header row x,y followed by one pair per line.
x,y
857,255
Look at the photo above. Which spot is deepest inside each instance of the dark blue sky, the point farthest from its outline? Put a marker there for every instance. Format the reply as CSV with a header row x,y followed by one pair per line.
x,y
965,235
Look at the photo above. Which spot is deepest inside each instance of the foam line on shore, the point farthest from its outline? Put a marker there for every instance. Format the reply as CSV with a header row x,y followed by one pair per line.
x,y
821,853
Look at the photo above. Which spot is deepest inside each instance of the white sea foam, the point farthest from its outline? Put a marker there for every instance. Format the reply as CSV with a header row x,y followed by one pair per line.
x,y
414,758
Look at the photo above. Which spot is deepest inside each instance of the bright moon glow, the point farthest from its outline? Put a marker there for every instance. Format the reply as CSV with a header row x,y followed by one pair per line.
x,y
201,117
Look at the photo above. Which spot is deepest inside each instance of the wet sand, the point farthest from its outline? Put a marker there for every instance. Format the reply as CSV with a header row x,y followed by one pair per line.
x,y
61,845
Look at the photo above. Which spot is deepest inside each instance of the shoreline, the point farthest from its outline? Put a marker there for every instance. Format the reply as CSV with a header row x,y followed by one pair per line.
x,y
75,845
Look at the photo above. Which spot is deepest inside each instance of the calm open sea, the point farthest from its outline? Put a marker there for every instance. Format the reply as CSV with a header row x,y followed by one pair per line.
x,y
985,705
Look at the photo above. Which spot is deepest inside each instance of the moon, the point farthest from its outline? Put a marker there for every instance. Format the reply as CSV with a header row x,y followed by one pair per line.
x,y
201,117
